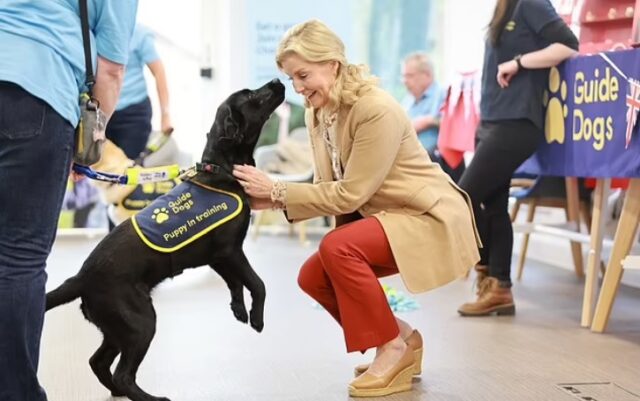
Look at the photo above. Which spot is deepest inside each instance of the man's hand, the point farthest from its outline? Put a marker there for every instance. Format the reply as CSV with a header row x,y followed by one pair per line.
x,y
424,122
75,177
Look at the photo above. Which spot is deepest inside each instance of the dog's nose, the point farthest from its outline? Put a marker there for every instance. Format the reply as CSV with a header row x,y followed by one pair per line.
x,y
275,81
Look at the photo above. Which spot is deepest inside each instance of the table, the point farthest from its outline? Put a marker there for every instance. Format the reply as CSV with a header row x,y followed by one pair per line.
x,y
591,130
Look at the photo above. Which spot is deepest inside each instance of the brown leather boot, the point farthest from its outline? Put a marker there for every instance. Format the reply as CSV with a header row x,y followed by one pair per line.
x,y
482,272
491,299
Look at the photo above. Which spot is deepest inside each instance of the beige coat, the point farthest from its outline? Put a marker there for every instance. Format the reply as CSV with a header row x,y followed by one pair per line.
x,y
387,174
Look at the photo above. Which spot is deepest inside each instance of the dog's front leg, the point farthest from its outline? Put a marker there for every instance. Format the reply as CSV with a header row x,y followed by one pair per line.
x,y
239,265
236,288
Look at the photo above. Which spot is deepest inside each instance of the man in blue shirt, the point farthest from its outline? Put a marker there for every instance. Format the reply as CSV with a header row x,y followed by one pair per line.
x,y
424,100
42,71
423,104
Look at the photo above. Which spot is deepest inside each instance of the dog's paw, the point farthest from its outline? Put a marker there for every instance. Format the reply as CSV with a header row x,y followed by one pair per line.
x,y
257,323
240,312
257,326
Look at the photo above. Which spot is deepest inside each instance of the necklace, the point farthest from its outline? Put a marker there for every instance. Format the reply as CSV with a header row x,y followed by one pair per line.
x,y
328,134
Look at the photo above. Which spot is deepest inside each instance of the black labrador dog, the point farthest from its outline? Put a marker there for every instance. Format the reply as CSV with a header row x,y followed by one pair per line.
x,y
116,280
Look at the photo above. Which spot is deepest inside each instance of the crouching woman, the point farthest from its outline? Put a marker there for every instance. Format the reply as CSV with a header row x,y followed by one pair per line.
x,y
395,210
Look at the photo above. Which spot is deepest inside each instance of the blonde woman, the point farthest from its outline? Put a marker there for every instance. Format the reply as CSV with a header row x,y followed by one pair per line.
x,y
396,211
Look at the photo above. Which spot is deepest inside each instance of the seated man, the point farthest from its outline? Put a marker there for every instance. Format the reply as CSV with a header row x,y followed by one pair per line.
x,y
423,104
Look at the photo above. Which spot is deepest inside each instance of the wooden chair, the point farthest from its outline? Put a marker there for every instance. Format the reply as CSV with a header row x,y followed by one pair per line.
x,y
544,192
263,156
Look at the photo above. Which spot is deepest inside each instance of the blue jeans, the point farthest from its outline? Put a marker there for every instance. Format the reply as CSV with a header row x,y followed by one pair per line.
x,y
130,128
35,154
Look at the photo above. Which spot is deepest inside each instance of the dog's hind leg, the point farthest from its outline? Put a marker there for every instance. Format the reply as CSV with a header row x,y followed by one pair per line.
x,y
240,265
100,363
236,288
137,329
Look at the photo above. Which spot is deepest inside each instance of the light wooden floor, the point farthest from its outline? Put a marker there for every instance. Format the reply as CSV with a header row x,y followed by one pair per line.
x,y
200,353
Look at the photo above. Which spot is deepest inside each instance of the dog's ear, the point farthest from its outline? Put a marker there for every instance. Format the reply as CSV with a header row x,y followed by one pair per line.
x,y
232,125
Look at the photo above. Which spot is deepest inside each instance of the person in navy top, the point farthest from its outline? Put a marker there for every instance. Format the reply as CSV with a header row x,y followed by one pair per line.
x,y
42,73
524,39
130,125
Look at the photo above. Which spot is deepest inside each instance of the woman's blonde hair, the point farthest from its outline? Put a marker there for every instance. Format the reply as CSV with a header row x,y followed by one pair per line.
x,y
316,43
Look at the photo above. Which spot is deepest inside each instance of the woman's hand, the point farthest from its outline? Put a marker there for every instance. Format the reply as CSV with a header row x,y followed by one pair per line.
x,y
261,204
255,183
506,71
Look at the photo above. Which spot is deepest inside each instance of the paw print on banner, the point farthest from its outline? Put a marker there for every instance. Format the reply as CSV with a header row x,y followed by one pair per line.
x,y
557,110
160,215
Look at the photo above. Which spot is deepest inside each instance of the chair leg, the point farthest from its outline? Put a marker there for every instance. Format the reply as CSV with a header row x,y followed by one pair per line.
x,y
515,210
525,239
302,232
572,211
623,240
258,220
585,211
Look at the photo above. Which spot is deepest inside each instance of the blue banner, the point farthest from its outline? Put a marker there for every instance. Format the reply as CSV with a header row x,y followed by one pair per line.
x,y
591,129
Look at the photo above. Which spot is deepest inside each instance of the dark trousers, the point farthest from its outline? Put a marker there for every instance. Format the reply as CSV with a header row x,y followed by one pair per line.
x,y
454,173
130,128
501,147
35,154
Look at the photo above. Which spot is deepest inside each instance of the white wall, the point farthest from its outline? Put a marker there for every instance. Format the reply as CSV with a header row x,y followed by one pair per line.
x,y
463,33
191,35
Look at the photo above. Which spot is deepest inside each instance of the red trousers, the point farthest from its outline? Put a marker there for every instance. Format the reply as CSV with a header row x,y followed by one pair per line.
x,y
343,277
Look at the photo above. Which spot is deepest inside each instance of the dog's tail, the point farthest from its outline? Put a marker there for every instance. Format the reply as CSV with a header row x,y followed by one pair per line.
x,y
67,292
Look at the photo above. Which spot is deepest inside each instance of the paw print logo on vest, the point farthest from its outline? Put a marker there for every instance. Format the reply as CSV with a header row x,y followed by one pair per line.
x,y
160,215
554,99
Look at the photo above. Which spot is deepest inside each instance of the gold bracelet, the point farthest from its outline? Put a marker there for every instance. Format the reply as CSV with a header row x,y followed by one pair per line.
x,y
279,194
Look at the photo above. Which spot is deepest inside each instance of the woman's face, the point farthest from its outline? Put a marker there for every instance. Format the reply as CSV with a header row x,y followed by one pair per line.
x,y
312,80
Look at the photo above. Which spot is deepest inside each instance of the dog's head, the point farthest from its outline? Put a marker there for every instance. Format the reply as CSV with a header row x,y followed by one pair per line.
x,y
239,120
